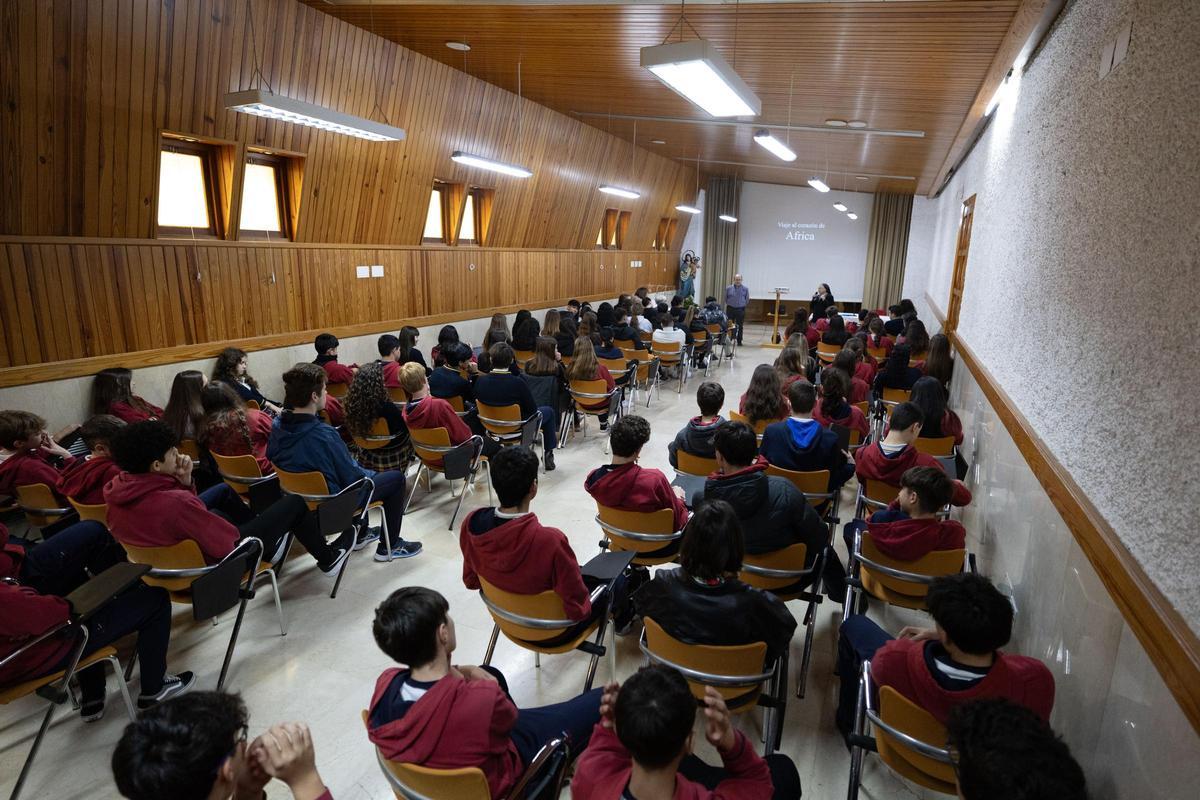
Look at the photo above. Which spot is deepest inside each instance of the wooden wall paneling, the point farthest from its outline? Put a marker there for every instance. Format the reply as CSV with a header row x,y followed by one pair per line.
x,y
623,220
611,215
669,241
454,198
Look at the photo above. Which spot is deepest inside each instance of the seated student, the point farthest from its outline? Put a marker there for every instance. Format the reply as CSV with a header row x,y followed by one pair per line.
x,y
821,321
574,308
423,411
895,324
835,333
497,331
888,459
606,348
389,357
231,429
702,601
1006,752
184,413
939,364
408,346
846,361
773,512
501,387
300,442
713,313
605,317
445,716
799,324
368,402
231,367
803,444
956,661
667,333
153,503
447,336
917,339
794,364
446,381
865,368
326,345
35,458
696,438
642,748
112,393
568,332
626,485
142,610
546,376
876,337
833,408
525,334
585,367
910,528
940,420
896,373
676,309
84,479
639,320
763,398
195,747
623,331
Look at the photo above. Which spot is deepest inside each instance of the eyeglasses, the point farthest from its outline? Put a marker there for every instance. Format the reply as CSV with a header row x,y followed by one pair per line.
x,y
243,735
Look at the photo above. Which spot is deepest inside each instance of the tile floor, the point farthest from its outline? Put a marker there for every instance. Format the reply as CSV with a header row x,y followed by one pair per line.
x,y
323,671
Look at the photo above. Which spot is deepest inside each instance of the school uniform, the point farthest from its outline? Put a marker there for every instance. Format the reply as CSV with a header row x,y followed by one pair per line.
x,y
226,437
335,372
846,415
445,382
84,479
433,412
695,438
504,388
27,467
873,463
899,536
805,445
139,411
634,488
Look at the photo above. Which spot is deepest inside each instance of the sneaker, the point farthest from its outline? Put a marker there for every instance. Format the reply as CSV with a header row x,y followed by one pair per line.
x,y
402,550
604,426
331,569
370,536
173,686
280,552
92,711
549,461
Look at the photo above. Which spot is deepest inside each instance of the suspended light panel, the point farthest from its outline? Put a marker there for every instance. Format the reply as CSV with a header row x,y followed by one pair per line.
x,y
490,164
774,146
628,194
287,109
687,209
818,184
728,218
840,206
696,71
852,215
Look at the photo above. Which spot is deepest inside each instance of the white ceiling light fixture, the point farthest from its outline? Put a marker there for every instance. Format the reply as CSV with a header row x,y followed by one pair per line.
x,y
490,164
774,146
658,141
628,194
727,218
836,123
856,123
696,71
266,104
852,215
461,47
840,206
818,184
685,208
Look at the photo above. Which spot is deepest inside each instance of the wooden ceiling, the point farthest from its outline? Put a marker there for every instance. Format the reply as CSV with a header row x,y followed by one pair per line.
x,y
913,66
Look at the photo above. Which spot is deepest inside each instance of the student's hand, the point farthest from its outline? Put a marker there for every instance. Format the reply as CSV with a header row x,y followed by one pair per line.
x,y
274,409
286,752
183,470
608,704
48,445
717,727
917,634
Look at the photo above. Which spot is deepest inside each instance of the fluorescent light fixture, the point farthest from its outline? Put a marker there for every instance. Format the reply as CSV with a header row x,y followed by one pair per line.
x,y
728,218
629,194
696,71
685,208
774,146
461,47
856,123
487,163
836,123
840,206
818,184
852,215
288,109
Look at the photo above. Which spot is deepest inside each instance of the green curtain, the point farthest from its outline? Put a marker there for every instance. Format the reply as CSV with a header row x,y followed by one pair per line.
x,y
887,249
721,239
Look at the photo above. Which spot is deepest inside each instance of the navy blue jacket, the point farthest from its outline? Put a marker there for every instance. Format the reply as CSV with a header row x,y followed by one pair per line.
x,y
505,389
302,443
445,382
806,447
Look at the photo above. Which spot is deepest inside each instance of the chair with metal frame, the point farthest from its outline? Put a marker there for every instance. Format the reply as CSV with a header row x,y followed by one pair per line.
x,y
585,394
645,336
506,427
650,534
702,348
40,505
904,737
942,448
738,672
692,471
880,354
892,397
873,495
95,513
721,337
759,426
671,354
379,436
826,353
334,512
520,357
453,461
253,405
458,404
538,622
241,472
645,374
896,582
624,344
338,390
397,395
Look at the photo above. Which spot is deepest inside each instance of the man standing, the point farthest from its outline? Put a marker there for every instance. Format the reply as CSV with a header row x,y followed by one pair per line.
x,y
736,298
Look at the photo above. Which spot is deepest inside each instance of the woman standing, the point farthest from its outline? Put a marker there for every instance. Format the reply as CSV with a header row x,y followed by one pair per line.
x,y
822,299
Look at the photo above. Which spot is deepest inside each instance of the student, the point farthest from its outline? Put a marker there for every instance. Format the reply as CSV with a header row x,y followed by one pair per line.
x,y
408,347
84,479
497,331
546,376
696,438
763,398
833,408
389,357
196,747
525,334
423,411
36,457
501,387
112,393
773,512
846,362
605,316
641,293
799,324
551,322
642,748
1004,751
639,320
326,345
876,337
864,366
623,331
585,367
667,332
910,527
939,364
565,338
821,322
794,364
676,309
300,442
626,485
231,367
367,402
956,661
836,332
896,373
231,429
447,336
887,460
574,308
703,602
447,381
917,340
939,420
184,412
607,348
803,444
895,324
589,329
444,716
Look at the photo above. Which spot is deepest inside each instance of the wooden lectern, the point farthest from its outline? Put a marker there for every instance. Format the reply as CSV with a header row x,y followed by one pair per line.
x,y
774,314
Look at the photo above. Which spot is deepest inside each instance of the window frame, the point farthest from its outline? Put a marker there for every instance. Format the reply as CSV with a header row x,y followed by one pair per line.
x,y
439,188
281,165
471,197
208,166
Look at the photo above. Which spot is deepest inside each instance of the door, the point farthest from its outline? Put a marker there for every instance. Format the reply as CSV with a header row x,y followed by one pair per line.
x,y
960,264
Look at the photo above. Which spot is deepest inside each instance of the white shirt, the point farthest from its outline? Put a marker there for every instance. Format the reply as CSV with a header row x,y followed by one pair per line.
x,y
664,335
644,324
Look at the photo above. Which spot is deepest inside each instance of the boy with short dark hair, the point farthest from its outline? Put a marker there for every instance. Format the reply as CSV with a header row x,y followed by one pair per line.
x,y
888,459
389,353
802,444
696,438
36,457
326,345
626,485
910,527
623,331
84,480
443,716
501,387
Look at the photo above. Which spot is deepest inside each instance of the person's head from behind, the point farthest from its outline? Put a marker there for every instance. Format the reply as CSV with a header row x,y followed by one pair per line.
x,y
515,476
21,430
551,322
98,432
916,337
1004,751
924,491
764,396
628,435
522,315
408,340
653,718
835,387
447,335
710,397
366,396
304,387
184,403
666,321
837,325
413,627
710,301
929,396
676,302
326,344
412,378
857,348
501,355
845,362
607,336
455,354
971,614
736,446
832,312
803,396
149,446
907,307
192,747
712,547
388,346
113,385
620,316
641,292
897,362
875,326
905,422
894,310
220,400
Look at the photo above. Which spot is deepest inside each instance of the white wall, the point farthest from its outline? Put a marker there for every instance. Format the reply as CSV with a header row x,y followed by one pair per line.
x,y
919,259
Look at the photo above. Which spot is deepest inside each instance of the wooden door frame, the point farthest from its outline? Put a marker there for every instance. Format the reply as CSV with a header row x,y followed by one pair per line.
x,y
958,276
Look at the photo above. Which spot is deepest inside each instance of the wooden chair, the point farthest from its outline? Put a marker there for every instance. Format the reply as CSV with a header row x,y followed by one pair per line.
x,y
694,466
646,336
617,367
759,427
40,505
454,462
589,393
338,390
379,436
645,374
624,344
880,354
334,513
874,495
522,356
904,739
505,425
814,485
827,352
95,513
241,472
650,534
671,354
896,582
458,404
737,672
538,622
940,446
397,395
865,407
891,397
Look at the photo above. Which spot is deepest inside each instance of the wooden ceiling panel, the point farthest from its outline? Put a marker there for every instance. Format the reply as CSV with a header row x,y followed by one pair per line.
x,y
898,66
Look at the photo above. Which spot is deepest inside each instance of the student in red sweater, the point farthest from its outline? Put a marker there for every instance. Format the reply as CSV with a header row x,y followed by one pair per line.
x,y
956,661
84,479
153,503
326,345
847,361
231,429
423,411
443,716
888,459
112,393
834,407
36,457
865,368
389,354
626,485
642,748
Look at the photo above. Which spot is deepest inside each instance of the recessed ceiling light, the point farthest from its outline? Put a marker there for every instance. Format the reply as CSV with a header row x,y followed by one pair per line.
x,y
727,218
856,123
852,215
658,141
840,206
462,47
860,177
836,123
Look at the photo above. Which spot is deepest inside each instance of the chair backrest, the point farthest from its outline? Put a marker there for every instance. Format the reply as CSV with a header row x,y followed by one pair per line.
x,y
546,606
181,555
827,352
379,436
253,404
500,420
694,465
234,467
645,336
40,505
589,393
637,355
430,444
879,492
877,353
96,513
338,390
899,712
671,350
713,329
941,446
521,356
415,782
700,337
759,426
864,406
716,660
814,484
615,366
397,395
190,448
896,395
624,344
935,563
456,402
618,523
303,483
789,559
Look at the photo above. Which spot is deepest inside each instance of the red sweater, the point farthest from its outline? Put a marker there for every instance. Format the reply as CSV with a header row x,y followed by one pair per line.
x,y
951,426
855,420
602,374
131,413
910,539
522,556
813,335
634,488
229,439
337,373
865,371
152,510
434,412
821,325
901,664
30,466
860,390
11,556
391,374
456,724
872,464
84,480
26,616
603,769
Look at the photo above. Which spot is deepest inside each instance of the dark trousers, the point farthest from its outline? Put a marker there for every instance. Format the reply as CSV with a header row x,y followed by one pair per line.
x,y
536,726
549,426
858,639
389,489
285,514
738,315
784,776
63,563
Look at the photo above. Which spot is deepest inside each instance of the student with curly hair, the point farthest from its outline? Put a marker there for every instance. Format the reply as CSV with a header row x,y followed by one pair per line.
x,y
231,367
367,402
763,398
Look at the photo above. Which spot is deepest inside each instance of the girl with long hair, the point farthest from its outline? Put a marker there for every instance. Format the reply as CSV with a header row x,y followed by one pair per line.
x,y
763,399
525,333
896,372
858,390
939,363
497,331
864,366
545,358
585,367
799,324
447,336
928,395
231,429
917,339
836,332
368,401
112,393
232,368
833,408
551,322
794,364
567,332
877,337
185,413
407,351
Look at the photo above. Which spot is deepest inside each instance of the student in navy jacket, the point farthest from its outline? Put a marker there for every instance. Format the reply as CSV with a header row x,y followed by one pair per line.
x,y
802,444
502,387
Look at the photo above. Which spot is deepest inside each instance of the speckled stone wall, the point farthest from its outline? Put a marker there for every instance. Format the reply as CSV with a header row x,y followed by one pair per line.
x,y
1081,284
